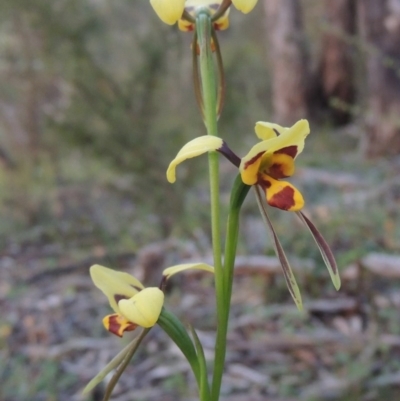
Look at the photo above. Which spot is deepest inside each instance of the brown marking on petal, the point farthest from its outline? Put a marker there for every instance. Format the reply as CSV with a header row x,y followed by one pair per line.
x,y
254,159
118,297
136,288
276,171
276,132
263,182
117,325
283,199
289,150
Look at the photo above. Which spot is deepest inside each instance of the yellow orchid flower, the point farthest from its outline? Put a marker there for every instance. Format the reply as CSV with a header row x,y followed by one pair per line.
x,y
191,7
273,159
265,165
133,304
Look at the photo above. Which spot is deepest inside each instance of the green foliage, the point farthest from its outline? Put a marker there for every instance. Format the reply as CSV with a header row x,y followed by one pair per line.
x,y
19,382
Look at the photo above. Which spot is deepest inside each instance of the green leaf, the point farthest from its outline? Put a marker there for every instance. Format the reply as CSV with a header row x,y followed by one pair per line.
x,y
238,193
178,334
326,252
204,386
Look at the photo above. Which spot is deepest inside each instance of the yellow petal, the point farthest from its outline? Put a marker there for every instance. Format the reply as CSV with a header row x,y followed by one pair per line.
x,y
250,164
115,285
186,266
194,148
282,194
293,136
245,6
265,130
144,308
169,11
117,324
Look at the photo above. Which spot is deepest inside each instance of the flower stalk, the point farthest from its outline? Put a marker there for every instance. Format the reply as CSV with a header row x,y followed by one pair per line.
x,y
208,84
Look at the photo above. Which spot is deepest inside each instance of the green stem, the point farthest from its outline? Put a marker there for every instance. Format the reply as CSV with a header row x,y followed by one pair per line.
x,y
238,194
208,83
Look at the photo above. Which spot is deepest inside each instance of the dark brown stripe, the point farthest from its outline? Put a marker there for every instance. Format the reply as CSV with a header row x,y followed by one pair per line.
x,y
289,150
264,183
254,159
118,297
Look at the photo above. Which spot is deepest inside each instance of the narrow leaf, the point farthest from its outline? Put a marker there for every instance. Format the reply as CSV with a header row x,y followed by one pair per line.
x,y
287,270
178,334
204,385
238,193
325,250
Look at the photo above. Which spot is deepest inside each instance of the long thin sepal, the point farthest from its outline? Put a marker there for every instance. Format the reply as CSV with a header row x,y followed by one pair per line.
x,y
221,74
196,75
221,10
325,250
287,270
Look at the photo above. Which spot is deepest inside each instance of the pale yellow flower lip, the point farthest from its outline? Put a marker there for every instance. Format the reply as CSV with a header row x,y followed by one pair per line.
x,y
170,271
144,308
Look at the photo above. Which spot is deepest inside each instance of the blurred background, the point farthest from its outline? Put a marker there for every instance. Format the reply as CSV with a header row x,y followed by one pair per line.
x,y
96,98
